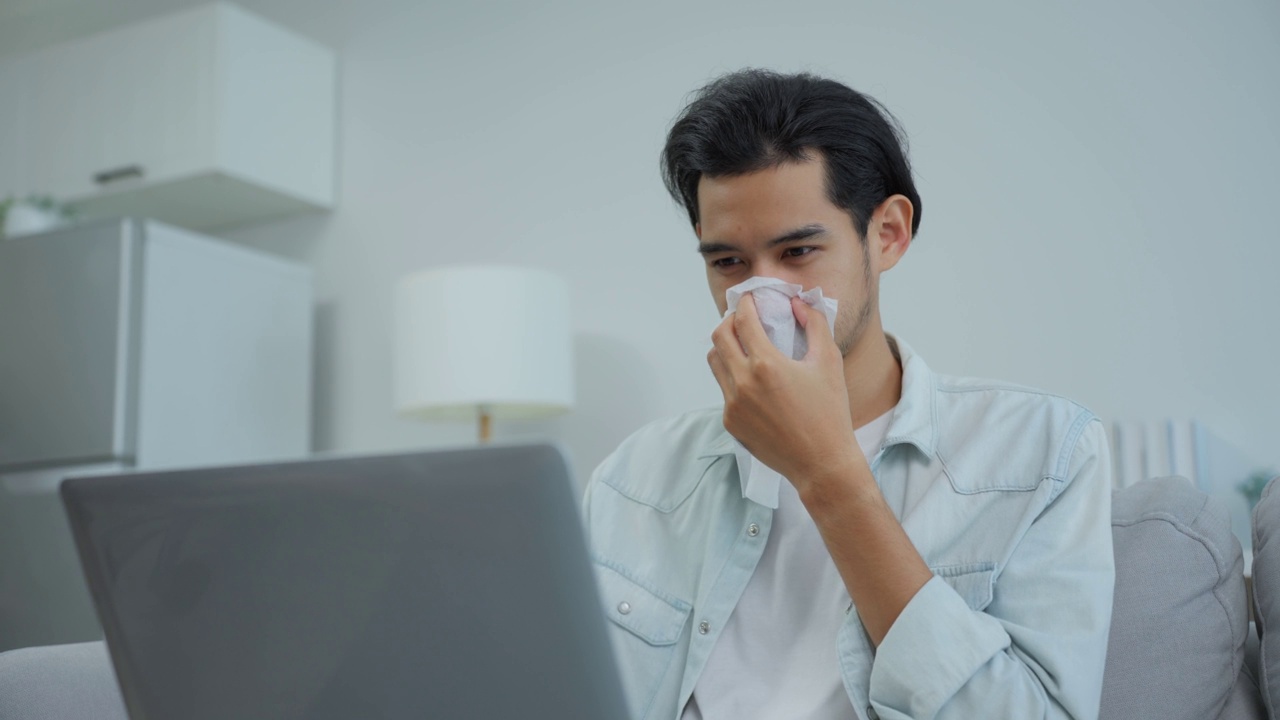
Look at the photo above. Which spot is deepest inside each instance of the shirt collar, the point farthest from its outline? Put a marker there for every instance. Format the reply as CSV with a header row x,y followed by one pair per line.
x,y
721,444
914,418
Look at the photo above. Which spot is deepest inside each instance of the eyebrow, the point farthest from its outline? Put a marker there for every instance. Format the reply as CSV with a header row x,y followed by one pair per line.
x,y
801,233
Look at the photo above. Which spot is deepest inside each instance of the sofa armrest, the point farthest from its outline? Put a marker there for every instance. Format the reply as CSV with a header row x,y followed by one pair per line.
x,y
60,682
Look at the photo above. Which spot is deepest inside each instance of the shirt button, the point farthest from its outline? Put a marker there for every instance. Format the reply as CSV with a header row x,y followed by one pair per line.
x,y
872,714
753,529
624,608
704,627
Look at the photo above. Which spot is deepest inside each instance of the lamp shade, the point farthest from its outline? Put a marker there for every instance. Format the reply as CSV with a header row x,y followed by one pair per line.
x,y
482,338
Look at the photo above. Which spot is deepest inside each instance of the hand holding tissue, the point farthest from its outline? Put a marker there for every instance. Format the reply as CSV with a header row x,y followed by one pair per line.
x,y
773,304
782,376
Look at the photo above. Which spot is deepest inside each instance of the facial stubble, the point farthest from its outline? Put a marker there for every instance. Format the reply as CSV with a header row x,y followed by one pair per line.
x,y
846,339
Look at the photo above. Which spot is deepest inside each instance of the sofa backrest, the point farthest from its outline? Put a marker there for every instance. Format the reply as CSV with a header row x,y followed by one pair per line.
x,y
1180,616
1266,592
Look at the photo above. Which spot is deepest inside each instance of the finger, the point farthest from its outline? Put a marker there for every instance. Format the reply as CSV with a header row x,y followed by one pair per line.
x,y
816,328
810,317
721,373
798,309
725,342
749,329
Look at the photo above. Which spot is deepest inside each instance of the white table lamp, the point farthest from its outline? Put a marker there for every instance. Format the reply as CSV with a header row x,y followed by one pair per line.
x,y
482,341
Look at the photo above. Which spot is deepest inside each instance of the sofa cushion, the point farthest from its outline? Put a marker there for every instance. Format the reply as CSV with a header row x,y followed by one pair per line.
x,y
1245,702
1180,616
1266,592
59,682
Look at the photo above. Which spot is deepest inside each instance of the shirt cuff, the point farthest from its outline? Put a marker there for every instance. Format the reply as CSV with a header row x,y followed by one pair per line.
x,y
931,650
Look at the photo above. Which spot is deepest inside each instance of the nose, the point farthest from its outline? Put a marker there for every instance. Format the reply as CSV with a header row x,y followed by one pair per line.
x,y
775,269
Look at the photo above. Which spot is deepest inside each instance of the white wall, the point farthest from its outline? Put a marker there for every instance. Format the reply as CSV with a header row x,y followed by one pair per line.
x,y
1098,184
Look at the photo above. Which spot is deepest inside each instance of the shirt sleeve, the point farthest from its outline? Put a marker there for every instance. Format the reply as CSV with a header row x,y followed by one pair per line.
x,y
584,509
1038,649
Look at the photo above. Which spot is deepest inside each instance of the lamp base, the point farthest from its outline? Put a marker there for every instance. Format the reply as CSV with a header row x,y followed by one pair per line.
x,y
486,424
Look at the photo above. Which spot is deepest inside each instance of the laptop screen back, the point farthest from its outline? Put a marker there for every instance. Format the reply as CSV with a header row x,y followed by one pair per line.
x,y
450,584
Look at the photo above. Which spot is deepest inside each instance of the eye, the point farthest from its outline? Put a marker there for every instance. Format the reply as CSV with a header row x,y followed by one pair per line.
x,y
725,263
798,251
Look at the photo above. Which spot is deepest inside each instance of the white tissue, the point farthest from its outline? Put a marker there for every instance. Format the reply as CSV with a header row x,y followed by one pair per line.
x,y
760,483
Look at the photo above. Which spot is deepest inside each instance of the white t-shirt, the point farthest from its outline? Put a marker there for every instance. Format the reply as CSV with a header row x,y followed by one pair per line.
x,y
776,657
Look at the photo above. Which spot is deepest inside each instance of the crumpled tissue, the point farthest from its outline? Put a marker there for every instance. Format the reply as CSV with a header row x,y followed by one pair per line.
x,y
760,483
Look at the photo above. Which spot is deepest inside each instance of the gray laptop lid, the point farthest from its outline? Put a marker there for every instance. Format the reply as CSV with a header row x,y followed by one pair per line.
x,y
451,584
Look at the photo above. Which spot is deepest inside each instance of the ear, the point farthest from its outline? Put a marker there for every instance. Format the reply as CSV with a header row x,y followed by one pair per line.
x,y
890,230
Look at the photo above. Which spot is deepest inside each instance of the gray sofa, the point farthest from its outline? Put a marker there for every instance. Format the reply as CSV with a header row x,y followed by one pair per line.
x,y
59,682
1181,642
1266,594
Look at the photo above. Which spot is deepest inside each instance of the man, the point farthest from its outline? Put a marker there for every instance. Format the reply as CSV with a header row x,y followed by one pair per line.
x,y
941,547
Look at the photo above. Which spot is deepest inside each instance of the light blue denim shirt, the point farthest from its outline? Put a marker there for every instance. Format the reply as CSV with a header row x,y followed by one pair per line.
x,y
1006,494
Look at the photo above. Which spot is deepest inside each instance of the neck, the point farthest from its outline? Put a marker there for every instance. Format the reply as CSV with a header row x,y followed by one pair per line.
x,y
873,375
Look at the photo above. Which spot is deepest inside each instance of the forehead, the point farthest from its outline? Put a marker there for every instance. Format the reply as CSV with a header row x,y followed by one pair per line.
x,y
785,194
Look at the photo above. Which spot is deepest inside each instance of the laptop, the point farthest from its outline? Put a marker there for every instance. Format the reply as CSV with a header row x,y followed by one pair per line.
x,y
447,584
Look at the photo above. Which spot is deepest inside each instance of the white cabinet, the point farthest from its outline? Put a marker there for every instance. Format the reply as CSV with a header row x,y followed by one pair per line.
x,y
132,345
136,97
207,118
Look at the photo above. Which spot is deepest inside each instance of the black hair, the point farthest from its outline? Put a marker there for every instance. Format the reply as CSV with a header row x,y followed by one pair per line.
x,y
754,119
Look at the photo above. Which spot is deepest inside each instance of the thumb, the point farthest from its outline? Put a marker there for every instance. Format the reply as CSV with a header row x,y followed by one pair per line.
x,y
815,327
809,316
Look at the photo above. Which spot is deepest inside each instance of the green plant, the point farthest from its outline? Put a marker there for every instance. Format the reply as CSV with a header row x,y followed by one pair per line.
x,y
46,203
1253,486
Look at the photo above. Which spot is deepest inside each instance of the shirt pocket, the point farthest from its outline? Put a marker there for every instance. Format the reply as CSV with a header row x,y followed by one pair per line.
x,y
973,582
645,628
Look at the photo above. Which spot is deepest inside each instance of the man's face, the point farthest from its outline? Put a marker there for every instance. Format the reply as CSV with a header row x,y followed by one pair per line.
x,y
778,222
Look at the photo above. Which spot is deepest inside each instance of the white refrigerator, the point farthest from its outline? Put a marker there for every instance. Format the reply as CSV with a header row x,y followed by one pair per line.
x,y
131,344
